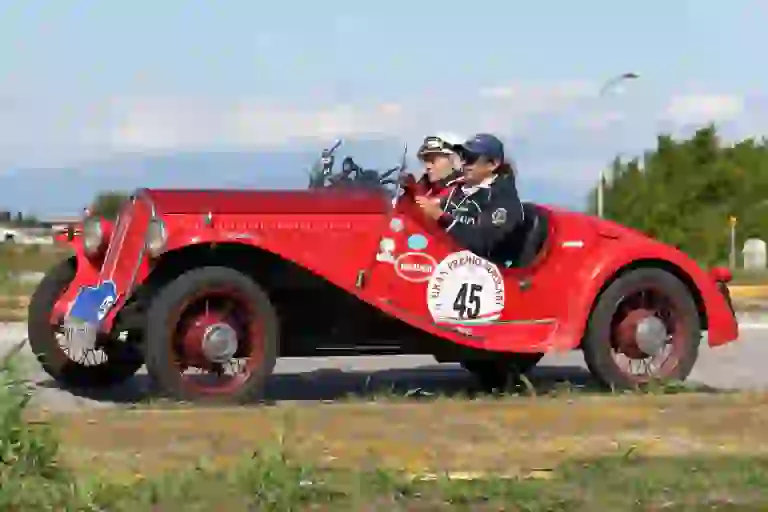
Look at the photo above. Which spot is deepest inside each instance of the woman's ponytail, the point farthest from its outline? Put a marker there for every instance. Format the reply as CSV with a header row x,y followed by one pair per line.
x,y
505,169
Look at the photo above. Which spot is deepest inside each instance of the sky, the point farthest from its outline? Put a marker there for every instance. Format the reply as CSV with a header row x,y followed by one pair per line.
x,y
87,80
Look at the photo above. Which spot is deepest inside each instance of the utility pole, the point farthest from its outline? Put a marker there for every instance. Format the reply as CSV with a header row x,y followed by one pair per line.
x,y
608,86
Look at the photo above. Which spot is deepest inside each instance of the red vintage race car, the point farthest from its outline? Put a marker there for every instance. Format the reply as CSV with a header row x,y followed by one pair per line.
x,y
225,282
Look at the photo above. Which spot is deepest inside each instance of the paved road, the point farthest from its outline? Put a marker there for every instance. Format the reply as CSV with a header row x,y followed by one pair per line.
x,y
739,365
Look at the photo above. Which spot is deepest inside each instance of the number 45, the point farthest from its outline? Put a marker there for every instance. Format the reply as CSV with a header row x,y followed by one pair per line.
x,y
467,302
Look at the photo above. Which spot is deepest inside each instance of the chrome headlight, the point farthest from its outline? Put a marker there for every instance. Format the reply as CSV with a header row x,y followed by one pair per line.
x,y
93,234
156,236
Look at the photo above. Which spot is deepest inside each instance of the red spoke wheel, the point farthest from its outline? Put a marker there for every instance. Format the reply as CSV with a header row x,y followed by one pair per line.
x,y
212,336
644,328
111,363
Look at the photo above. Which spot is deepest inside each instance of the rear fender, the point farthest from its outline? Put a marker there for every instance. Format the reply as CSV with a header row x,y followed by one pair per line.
x,y
597,273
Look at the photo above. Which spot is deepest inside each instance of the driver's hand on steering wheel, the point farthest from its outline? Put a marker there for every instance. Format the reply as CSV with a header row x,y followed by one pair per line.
x,y
430,206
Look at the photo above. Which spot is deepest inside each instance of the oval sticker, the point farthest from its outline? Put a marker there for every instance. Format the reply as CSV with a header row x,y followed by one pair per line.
x,y
415,267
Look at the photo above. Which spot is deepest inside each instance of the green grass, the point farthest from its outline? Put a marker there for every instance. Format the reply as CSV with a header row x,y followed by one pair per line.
x,y
15,258
271,482
277,476
750,277
11,287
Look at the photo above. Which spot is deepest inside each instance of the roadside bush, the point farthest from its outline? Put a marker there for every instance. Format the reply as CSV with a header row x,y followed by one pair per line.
x,y
30,476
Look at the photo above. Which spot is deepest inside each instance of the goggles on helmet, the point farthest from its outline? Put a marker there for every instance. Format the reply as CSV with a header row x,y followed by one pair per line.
x,y
436,145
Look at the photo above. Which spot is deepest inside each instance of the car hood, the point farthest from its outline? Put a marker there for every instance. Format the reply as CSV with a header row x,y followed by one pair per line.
x,y
324,201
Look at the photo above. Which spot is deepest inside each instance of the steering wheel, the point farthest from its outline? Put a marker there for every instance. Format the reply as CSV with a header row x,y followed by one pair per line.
x,y
348,166
353,175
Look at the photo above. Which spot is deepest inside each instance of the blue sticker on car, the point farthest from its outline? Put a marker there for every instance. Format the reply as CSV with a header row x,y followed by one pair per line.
x,y
94,302
417,242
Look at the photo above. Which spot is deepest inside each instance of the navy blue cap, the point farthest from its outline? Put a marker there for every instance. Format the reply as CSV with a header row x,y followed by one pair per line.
x,y
486,145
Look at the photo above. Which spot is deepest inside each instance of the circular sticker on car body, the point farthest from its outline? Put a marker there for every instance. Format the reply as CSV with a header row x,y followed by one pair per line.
x,y
465,289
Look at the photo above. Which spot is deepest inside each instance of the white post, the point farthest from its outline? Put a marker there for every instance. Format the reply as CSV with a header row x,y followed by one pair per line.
x,y
600,193
732,258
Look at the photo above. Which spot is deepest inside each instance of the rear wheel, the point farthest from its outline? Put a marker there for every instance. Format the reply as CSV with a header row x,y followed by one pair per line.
x,y
499,374
111,363
644,328
217,324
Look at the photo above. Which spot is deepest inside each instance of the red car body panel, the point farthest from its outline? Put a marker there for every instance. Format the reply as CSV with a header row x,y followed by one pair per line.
x,y
87,273
337,236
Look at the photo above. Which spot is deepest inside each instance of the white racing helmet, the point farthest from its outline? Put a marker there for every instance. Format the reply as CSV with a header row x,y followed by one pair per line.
x,y
445,143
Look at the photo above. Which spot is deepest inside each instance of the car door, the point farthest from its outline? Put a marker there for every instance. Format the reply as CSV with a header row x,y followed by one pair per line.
x,y
423,273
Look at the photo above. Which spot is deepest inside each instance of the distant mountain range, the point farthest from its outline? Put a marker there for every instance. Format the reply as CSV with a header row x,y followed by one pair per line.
x,y
65,191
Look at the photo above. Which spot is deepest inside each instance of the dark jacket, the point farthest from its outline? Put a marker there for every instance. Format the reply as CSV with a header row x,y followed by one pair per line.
x,y
481,217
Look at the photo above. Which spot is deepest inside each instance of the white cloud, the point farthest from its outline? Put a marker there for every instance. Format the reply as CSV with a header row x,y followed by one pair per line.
x,y
260,125
516,104
702,108
172,123
149,124
598,121
524,90
58,133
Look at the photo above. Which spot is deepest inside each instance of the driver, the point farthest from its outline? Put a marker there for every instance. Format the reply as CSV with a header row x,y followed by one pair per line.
x,y
482,207
442,164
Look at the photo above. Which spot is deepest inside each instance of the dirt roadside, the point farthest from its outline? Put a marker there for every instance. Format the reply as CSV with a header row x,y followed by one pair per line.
x,y
513,435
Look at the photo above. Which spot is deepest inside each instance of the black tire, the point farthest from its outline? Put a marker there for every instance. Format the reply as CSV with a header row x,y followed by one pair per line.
x,y
501,373
165,373
123,358
598,351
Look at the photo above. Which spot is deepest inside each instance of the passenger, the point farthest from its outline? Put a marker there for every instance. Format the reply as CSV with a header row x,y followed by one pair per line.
x,y
442,165
482,207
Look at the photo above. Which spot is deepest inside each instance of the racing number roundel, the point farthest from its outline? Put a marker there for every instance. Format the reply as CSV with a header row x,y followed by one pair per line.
x,y
465,289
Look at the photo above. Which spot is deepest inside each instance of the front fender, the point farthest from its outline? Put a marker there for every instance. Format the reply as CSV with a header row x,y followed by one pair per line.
x,y
194,236
617,254
87,273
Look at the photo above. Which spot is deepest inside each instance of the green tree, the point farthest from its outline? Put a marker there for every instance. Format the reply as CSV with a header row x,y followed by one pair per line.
x,y
108,204
683,191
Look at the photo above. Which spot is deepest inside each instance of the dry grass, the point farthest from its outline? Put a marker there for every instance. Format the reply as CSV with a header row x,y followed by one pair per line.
x,y
514,435
16,258
750,277
15,292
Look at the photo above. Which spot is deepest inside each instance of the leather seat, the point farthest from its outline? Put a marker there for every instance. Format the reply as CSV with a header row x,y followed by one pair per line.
x,y
523,244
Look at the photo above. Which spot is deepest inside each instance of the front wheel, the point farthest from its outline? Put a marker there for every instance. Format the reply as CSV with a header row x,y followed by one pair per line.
x,y
112,363
218,323
644,328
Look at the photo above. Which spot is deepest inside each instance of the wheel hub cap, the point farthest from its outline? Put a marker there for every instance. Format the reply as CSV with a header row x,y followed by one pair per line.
x,y
79,335
219,343
651,335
